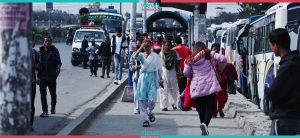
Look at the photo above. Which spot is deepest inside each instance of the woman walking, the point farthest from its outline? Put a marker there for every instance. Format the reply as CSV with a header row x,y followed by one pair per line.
x,y
171,69
148,81
200,69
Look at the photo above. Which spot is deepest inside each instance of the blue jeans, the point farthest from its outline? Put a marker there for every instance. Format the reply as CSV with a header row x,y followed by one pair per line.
x,y
130,73
119,61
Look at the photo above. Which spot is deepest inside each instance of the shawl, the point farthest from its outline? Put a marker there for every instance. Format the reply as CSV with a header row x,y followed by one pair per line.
x,y
169,58
152,64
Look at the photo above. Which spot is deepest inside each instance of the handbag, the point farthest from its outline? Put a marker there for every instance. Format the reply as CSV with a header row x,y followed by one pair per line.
x,y
188,101
128,95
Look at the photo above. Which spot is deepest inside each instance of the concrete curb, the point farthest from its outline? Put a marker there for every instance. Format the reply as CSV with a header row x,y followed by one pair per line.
x,y
249,117
89,114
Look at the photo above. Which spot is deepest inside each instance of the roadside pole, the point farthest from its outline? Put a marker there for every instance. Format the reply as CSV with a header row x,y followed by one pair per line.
x,y
15,67
199,25
144,17
133,27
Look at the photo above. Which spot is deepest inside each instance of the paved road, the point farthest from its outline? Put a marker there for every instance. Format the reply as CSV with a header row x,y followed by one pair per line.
x,y
118,119
74,88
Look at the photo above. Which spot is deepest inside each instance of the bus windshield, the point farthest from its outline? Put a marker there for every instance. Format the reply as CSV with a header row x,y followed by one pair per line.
x,y
98,36
111,21
112,25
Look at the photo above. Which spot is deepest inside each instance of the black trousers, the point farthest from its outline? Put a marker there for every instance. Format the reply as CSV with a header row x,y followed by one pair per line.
x,y
51,84
33,93
205,108
106,65
182,83
94,67
85,59
285,127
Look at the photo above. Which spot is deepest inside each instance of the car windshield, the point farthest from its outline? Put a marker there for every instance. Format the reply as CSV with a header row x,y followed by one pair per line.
x,y
98,36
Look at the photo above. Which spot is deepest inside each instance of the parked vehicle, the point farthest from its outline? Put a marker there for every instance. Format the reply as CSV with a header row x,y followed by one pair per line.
x,y
259,63
91,32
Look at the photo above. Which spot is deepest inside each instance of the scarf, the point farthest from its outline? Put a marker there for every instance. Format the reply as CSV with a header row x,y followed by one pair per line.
x,y
169,58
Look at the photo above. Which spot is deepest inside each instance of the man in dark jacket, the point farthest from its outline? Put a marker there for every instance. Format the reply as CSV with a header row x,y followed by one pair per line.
x,y
105,52
285,90
85,54
50,64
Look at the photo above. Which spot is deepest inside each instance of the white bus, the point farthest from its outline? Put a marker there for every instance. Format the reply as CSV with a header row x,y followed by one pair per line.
x,y
262,65
231,52
110,20
214,33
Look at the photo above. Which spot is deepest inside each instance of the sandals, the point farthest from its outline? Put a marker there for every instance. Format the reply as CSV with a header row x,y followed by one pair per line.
x,y
146,124
151,117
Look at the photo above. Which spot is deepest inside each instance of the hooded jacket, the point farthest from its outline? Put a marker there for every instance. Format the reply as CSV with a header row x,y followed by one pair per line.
x,y
203,74
285,90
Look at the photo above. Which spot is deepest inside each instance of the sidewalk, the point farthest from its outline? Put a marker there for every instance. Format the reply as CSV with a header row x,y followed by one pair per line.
x,y
249,117
118,119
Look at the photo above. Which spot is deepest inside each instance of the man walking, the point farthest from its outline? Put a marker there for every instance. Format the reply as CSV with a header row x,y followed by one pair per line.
x,y
118,49
223,75
183,52
50,64
85,55
105,51
284,92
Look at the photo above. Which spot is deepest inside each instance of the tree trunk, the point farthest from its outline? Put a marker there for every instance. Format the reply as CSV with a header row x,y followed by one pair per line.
x,y
15,68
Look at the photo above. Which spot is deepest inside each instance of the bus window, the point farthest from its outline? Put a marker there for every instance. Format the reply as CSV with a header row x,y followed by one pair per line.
x,y
223,39
242,46
298,41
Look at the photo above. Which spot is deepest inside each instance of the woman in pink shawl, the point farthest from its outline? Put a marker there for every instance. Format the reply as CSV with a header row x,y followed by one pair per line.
x,y
200,68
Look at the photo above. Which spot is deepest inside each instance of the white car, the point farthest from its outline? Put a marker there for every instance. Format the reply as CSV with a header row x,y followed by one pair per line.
x,y
97,34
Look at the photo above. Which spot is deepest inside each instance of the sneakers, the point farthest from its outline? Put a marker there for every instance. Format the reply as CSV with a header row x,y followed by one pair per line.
x,y
118,82
102,76
204,130
221,113
136,112
164,109
146,124
44,114
174,107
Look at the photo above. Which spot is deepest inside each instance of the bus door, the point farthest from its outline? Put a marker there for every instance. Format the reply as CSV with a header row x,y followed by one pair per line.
x,y
253,72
